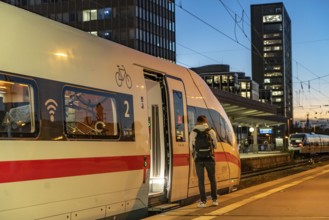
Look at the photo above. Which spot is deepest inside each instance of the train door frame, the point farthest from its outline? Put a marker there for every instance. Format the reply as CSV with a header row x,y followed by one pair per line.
x,y
180,162
174,144
160,148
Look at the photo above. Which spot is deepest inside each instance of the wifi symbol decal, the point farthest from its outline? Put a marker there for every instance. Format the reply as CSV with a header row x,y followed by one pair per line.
x,y
51,107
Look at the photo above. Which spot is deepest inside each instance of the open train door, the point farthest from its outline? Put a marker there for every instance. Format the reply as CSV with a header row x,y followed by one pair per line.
x,y
179,139
169,161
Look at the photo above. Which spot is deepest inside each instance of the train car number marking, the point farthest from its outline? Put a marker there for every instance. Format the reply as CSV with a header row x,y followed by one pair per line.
x,y
126,103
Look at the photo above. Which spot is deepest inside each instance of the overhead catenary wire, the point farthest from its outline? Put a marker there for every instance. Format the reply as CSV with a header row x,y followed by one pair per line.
x,y
307,82
201,54
210,58
180,6
237,24
211,26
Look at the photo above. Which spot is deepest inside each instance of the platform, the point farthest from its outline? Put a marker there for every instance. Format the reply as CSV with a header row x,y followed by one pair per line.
x,y
294,197
263,160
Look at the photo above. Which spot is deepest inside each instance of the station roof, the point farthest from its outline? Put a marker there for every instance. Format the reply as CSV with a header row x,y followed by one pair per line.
x,y
247,112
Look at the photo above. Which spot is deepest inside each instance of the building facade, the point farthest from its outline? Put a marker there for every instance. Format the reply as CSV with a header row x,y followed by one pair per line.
x,y
271,54
220,77
248,88
145,25
265,96
241,98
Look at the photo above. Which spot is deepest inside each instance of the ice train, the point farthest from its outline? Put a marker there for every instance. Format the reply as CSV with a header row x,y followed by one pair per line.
x,y
90,129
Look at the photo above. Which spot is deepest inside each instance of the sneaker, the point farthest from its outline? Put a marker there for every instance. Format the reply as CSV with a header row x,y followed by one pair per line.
x,y
202,205
214,203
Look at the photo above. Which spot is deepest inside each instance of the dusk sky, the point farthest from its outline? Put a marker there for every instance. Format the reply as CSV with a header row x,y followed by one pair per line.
x,y
218,32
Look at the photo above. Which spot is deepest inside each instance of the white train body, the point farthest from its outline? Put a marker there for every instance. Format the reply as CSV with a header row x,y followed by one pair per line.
x,y
309,143
62,159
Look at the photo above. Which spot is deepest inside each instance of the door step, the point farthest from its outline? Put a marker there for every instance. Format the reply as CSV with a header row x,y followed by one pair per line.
x,y
164,207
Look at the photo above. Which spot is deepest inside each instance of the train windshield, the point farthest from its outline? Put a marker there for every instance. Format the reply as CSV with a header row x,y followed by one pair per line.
x,y
297,139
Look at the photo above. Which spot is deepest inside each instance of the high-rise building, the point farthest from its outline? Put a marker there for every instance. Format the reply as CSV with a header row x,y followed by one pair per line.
x,y
145,25
271,54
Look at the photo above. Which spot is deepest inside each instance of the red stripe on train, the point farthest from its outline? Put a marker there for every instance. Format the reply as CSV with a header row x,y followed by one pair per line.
x,y
24,170
13,171
183,159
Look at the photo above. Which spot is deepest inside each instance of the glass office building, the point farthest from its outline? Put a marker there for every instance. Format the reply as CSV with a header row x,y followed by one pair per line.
x,y
271,54
145,25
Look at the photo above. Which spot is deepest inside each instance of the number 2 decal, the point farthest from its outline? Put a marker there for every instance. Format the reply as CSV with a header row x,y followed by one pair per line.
x,y
126,103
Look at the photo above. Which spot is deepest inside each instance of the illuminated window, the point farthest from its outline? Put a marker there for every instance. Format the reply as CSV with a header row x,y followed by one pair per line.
x,y
275,35
273,74
277,93
89,15
277,100
90,114
272,18
272,42
17,108
216,82
277,48
216,79
274,87
93,33
224,78
271,54
243,85
267,48
273,48
209,80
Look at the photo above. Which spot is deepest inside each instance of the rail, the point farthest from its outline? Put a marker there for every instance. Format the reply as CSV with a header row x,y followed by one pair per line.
x,y
251,178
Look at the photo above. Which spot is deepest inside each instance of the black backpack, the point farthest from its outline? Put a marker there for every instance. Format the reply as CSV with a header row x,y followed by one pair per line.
x,y
203,146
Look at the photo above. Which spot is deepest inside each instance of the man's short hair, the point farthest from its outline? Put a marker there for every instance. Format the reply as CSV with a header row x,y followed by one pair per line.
x,y
201,119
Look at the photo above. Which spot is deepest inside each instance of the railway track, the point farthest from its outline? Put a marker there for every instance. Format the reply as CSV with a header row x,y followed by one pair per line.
x,y
251,178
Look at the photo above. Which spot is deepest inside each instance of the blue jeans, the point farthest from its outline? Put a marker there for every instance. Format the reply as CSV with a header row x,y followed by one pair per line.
x,y
209,164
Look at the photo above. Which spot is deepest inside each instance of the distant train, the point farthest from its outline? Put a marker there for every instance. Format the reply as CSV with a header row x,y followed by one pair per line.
x,y
91,129
309,143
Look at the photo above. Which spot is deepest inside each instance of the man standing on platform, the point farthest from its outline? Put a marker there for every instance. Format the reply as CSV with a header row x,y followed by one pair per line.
x,y
202,144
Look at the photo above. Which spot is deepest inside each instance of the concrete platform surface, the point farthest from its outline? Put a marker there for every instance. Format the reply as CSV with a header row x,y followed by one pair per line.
x,y
296,197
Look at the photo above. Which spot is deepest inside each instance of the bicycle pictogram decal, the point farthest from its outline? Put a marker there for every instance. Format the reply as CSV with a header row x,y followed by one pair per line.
x,y
121,76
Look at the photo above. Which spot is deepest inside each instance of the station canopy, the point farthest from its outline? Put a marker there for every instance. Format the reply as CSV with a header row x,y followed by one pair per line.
x,y
246,112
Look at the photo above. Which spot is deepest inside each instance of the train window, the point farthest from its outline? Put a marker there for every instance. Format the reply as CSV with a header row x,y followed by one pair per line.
x,y
229,133
215,121
179,116
90,114
219,125
17,115
191,118
194,112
